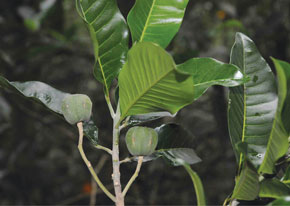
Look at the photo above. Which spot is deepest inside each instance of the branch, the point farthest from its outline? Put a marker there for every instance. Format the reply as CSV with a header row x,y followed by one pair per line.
x,y
101,163
135,175
127,159
103,148
89,165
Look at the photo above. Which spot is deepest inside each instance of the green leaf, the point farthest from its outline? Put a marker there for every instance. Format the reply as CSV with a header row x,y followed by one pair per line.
x,y
47,96
247,184
286,178
37,91
281,201
109,33
273,188
278,140
208,71
198,187
156,20
252,106
283,73
175,145
149,82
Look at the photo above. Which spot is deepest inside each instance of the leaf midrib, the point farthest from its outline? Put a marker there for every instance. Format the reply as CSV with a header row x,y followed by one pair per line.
x,y
245,105
145,91
147,20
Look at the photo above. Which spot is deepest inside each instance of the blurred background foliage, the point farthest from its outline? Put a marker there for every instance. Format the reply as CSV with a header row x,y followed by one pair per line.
x,y
47,41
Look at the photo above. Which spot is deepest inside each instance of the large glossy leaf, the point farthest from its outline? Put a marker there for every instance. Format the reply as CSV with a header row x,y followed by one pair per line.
x,y
175,144
283,201
247,184
49,97
252,106
273,188
156,20
109,33
208,71
149,82
278,140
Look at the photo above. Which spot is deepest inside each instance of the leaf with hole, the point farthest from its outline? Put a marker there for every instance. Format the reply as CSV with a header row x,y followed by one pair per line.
x,y
252,105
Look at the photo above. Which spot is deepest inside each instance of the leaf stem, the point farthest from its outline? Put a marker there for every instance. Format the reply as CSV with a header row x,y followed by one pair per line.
x,y
199,191
112,112
89,165
135,175
103,148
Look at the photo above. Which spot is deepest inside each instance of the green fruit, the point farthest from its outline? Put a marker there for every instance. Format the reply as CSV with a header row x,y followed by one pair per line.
x,y
141,141
76,108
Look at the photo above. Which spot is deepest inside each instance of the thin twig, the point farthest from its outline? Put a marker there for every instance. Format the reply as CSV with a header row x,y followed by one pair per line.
x,y
89,165
78,197
127,159
103,148
135,175
125,124
94,190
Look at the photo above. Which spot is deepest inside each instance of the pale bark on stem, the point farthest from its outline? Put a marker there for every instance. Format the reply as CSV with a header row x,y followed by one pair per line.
x,y
116,162
89,165
135,175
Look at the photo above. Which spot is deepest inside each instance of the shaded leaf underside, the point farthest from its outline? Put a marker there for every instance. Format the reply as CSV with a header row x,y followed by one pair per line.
x,y
49,97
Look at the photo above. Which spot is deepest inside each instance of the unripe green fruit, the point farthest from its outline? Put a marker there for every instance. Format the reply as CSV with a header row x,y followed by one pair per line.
x,y
76,108
141,141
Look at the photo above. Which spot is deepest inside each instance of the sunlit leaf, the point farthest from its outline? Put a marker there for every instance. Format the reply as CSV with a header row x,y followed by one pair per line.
x,y
156,20
208,71
149,82
109,34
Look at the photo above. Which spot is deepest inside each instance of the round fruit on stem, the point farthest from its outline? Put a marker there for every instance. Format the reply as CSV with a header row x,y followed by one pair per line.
x,y
76,108
141,141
